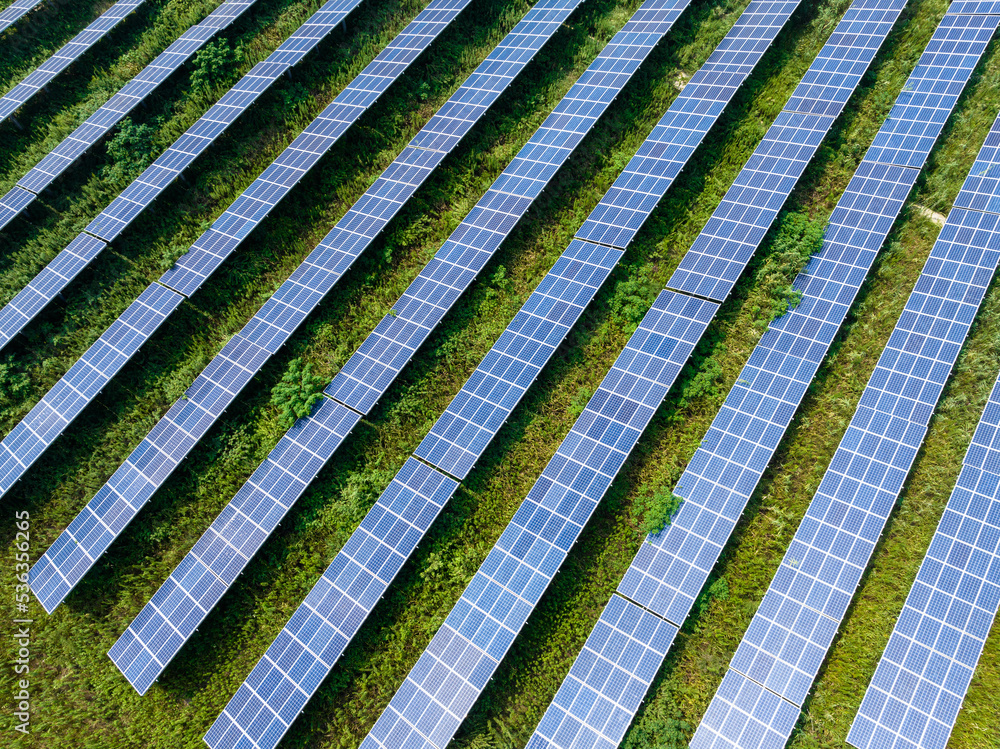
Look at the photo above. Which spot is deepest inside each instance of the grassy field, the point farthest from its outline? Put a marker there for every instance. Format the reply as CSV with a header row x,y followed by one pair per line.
x,y
81,700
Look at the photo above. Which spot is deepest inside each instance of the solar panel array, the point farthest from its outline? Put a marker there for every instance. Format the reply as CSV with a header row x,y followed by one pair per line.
x,y
117,107
65,56
558,301
791,632
428,708
13,12
385,352
177,432
250,351
285,475
670,569
925,671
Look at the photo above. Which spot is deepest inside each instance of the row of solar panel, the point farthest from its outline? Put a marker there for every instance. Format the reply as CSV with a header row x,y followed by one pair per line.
x,y
671,569
117,107
15,11
281,456
65,56
281,479
114,219
925,671
177,432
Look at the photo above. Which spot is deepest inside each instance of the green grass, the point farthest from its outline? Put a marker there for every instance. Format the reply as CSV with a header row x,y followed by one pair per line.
x,y
81,699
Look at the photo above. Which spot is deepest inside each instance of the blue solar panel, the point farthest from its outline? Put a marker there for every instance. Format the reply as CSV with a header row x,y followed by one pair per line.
x,y
299,659
595,704
744,715
127,98
13,12
925,671
984,452
177,433
65,56
208,570
477,633
12,203
33,298
823,565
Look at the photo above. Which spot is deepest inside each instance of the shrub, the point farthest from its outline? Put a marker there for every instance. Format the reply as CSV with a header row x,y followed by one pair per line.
x,y
657,509
797,238
297,393
130,151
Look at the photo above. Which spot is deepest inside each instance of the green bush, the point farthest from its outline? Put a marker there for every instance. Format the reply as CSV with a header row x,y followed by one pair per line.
x,y
130,151
655,510
297,393
214,64
796,239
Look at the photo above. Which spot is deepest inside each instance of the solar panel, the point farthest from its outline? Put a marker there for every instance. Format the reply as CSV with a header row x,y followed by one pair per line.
x,y
745,714
299,659
428,708
13,12
595,704
131,94
789,635
65,56
925,671
984,452
246,353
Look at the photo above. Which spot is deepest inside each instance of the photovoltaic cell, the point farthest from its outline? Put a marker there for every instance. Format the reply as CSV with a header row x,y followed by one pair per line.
x,y
428,708
595,704
302,655
784,648
925,671
128,97
65,56
13,12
